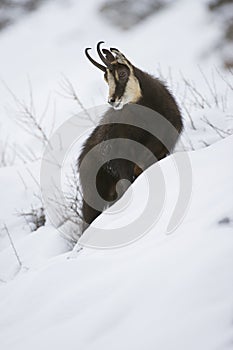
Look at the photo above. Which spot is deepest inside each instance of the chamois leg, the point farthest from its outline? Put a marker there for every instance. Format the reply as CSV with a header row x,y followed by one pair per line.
x,y
89,214
106,188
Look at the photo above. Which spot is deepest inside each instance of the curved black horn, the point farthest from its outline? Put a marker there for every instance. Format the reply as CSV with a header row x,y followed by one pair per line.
x,y
98,65
113,49
108,64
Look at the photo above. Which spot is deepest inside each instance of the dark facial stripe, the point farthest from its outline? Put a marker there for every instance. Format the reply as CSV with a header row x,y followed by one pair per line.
x,y
120,89
120,85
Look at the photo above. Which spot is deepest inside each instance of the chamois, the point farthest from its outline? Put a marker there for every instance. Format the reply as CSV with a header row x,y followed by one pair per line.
x,y
130,89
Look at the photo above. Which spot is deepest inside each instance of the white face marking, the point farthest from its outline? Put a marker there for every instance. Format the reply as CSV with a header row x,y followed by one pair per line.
x,y
132,90
111,84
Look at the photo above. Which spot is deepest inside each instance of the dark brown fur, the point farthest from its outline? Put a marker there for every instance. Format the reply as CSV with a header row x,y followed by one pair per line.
x,y
154,96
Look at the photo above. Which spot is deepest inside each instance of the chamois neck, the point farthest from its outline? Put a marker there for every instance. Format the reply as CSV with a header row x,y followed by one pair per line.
x,y
154,92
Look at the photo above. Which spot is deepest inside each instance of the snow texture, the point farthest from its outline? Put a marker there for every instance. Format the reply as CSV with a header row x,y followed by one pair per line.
x,y
163,291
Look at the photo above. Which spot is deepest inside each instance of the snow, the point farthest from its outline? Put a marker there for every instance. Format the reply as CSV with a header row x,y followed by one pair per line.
x,y
165,291
160,289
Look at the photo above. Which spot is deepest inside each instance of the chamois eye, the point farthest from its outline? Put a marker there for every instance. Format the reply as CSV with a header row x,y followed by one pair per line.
x,y
123,74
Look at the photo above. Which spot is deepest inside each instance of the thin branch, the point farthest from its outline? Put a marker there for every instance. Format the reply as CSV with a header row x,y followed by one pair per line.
x,y
33,177
35,218
211,89
26,116
190,117
224,78
13,246
204,143
22,179
5,158
196,94
190,142
70,92
215,128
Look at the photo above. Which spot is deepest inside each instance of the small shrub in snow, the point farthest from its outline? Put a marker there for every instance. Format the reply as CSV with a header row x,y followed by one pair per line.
x,y
35,218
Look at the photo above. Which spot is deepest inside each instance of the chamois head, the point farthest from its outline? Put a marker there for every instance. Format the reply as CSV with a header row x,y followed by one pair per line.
x,y
119,74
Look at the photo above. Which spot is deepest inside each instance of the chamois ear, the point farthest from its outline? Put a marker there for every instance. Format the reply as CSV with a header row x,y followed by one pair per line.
x,y
109,56
102,57
120,57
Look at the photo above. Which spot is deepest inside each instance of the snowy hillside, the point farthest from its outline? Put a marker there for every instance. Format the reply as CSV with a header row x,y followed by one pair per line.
x,y
163,291
167,281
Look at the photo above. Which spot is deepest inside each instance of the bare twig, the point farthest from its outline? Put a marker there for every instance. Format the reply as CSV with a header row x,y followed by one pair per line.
x,y
190,142
220,132
190,117
212,88
22,179
35,218
200,100
70,92
206,144
33,177
5,158
67,205
13,246
27,118
225,79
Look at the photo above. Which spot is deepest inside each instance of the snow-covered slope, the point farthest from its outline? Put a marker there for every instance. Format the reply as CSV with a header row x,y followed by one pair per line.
x,y
161,292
